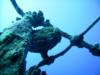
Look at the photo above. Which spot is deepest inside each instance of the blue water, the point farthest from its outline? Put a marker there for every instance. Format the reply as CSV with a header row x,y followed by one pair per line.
x,y
71,16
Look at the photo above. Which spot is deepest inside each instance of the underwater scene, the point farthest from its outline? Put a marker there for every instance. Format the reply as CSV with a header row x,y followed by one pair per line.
x,y
49,37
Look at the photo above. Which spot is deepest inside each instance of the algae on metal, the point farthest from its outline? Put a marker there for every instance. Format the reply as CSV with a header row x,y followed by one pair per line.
x,y
20,38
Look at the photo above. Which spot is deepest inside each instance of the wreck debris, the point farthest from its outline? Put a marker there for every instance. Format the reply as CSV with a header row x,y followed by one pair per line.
x,y
17,40
18,9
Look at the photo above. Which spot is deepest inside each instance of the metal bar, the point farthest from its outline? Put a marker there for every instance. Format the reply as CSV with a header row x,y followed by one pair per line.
x,y
17,8
91,26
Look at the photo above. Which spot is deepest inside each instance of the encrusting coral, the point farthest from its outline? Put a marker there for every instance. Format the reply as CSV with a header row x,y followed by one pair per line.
x,y
22,37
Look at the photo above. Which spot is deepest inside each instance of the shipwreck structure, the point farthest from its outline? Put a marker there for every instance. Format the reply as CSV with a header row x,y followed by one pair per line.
x,y
20,38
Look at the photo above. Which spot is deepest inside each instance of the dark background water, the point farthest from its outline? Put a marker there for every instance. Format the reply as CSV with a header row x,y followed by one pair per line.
x,y
73,17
